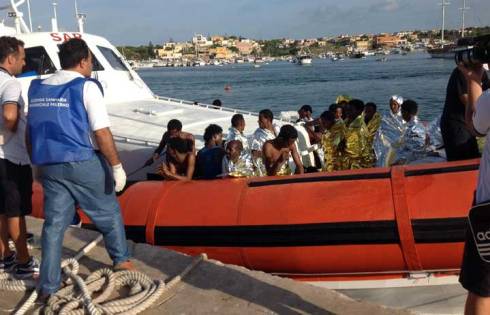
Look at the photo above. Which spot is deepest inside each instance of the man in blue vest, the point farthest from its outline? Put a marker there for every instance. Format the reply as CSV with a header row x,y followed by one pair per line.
x,y
70,140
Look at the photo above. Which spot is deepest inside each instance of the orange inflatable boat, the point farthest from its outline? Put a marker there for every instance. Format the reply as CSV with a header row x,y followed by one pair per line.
x,y
373,223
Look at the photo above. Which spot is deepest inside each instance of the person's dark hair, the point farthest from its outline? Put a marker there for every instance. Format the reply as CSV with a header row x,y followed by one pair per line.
x,y
328,116
217,103
72,52
333,107
306,108
178,144
9,45
210,131
267,113
288,132
236,119
372,105
357,104
174,124
410,107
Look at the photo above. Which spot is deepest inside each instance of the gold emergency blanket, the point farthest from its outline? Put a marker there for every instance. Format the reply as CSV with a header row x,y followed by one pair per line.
x,y
356,150
330,144
372,127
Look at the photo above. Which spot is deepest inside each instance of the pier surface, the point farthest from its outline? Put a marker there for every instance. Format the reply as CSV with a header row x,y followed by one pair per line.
x,y
211,288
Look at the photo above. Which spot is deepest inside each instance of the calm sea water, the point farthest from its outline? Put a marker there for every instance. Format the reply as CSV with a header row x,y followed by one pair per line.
x,y
283,86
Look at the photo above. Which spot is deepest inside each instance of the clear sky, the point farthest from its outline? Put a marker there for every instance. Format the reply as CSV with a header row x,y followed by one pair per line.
x,y
134,22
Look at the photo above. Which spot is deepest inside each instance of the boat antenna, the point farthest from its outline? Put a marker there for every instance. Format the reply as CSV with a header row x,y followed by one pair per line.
x,y
80,18
463,9
54,20
443,4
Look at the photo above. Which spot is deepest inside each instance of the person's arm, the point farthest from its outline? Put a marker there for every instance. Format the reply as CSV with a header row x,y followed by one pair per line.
x,y
11,96
161,145
271,166
10,116
297,160
100,125
106,145
191,165
474,81
171,173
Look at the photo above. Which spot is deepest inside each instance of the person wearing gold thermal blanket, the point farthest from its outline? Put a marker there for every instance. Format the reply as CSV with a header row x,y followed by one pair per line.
x,y
355,149
373,120
332,135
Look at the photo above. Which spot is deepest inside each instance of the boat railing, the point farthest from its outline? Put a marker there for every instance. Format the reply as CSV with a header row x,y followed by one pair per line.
x,y
136,141
210,106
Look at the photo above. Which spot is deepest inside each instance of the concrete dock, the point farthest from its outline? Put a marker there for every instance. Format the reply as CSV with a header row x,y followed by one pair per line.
x,y
211,288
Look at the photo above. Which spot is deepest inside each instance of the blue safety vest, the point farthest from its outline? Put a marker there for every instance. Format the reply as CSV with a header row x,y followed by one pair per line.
x,y
57,122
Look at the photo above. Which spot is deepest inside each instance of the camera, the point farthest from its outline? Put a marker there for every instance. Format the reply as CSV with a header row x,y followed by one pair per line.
x,y
473,50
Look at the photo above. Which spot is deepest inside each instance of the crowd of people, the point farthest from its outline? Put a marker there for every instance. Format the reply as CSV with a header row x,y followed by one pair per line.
x,y
350,135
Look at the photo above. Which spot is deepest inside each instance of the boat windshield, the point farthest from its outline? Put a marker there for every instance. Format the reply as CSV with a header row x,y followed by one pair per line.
x,y
113,59
38,62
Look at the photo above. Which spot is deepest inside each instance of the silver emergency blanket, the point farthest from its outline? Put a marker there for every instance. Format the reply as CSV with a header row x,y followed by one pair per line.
x,y
242,168
388,138
434,133
413,144
234,134
261,136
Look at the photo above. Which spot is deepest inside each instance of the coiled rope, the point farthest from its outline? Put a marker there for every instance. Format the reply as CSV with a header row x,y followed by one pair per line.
x,y
77,297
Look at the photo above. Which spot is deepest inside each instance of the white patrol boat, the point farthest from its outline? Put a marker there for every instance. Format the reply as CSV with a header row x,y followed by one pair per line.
x,y
138,116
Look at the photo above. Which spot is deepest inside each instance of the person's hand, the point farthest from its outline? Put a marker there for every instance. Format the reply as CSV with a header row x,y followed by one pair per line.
x,y
473,73
119,177
163,170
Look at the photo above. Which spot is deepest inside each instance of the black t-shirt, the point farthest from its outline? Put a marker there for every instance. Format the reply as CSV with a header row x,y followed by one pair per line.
x,y
454,109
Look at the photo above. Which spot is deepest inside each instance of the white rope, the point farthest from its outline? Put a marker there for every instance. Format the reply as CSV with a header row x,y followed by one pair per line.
x,y
77,297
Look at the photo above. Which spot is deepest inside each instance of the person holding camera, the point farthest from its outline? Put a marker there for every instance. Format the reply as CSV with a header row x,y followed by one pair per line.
x,y
459,142
475,273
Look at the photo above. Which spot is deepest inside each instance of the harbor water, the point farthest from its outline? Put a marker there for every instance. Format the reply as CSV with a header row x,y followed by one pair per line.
x,y
283,86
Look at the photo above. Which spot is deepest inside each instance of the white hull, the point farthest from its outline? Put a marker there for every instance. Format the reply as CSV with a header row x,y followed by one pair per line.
x,y
305,61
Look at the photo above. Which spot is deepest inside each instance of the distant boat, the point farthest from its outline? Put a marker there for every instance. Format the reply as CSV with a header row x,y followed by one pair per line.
x,y
357,55
446,50
138,65
304,57
304,60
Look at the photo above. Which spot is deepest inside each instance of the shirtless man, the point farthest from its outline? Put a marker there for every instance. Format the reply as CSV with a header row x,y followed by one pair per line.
x,y
276,152
179,162
174,129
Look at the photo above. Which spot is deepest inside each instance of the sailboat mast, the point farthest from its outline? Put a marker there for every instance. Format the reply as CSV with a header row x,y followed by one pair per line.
x,y
463,9
443,4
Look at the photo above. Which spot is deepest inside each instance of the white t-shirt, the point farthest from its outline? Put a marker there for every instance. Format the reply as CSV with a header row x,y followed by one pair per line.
x,y
481,123
93,100
14,148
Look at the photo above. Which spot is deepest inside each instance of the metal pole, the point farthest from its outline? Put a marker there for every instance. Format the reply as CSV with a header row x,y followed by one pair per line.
x,y
443,4
463,9
29,12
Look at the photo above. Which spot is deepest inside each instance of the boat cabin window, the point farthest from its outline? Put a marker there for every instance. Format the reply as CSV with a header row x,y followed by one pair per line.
x,y
96,66
37,62
113,59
